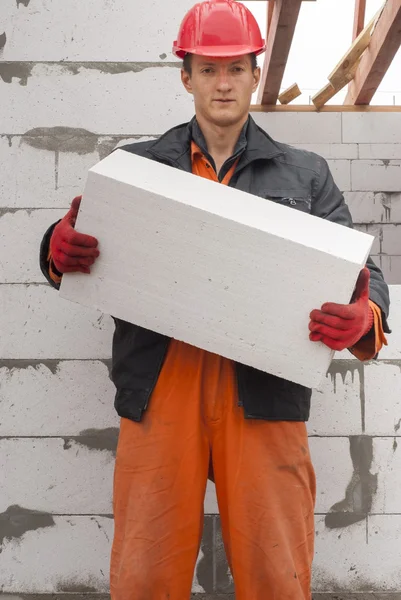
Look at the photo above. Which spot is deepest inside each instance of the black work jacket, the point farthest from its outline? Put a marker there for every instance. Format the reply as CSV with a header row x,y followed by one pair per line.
x,y
268,169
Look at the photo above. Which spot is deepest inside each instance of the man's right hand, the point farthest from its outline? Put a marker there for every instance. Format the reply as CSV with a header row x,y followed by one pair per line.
x,y
72,251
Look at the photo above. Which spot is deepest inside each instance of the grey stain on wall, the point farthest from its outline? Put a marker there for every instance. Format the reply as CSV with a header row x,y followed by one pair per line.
x,y
224,581
61,139
3,40
360,491
24,2
389,201
22,70
75,587
205,566
19,70
12,364
16,521
344,368
95,439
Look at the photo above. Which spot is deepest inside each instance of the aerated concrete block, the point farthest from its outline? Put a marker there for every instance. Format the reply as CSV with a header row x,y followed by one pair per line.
x,y
213,266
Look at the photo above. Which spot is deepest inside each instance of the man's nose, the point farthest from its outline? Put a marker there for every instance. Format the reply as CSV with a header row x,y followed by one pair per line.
x,y
223,82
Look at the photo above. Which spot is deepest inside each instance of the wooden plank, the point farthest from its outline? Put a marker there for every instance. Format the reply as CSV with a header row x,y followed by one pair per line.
x,y
384,44
290,94
359,18
340,75
270,10
252,304
323,95
360,108
281,33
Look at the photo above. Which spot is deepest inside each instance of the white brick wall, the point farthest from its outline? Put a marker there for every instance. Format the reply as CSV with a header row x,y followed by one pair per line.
x,y
58,426
56,95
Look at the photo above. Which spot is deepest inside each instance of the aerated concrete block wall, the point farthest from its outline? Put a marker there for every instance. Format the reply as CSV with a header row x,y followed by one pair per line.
x,y
76,79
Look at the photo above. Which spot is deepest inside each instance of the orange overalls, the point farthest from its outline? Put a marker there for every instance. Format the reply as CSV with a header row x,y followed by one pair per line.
x,y
265,484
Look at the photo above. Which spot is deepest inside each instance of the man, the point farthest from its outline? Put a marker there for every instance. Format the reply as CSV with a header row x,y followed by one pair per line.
x,y
187,413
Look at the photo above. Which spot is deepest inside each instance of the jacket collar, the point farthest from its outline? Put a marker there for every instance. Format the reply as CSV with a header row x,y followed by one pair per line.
x,y
174,147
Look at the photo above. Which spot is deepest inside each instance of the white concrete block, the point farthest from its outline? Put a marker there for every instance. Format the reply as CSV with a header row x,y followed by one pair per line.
x,y
391,203
376,230
341,171
331,151
333,466
384,534
391,267
371,128
48,30
57,94
56,554
240,306
28,174
383,399
380,151
55,476
365,207
36,323
20,235
393,350
301,128
387,464
47,167
336,406
72,171
391,244
211,507
337,553
56,398
73,167
358,558
376,175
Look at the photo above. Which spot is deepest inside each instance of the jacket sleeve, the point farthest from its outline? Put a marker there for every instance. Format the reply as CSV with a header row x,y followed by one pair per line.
x,y
328,203
47,268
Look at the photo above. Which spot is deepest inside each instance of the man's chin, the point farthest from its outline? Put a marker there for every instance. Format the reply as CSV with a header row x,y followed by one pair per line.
x,y
225,118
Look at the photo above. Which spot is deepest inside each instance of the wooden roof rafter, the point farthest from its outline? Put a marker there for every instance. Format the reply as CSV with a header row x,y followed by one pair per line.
x,y
359,18
383,46
362,67
283,20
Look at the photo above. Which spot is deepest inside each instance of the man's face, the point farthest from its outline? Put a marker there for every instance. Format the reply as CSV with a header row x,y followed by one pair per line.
x,y
222,87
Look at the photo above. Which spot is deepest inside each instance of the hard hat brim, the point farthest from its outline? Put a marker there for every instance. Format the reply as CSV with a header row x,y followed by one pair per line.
x,y
219,51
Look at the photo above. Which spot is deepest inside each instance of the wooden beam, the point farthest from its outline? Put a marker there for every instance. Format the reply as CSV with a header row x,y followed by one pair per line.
x,y
257,108
281,33
324,95
289,94
270,10
385,41
341,75
329,90
359,18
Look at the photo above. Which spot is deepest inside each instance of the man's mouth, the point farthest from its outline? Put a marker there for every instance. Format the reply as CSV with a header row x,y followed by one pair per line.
x,y
224,101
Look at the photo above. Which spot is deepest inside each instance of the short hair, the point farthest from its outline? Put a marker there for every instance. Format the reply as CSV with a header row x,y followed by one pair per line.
x,y
187,62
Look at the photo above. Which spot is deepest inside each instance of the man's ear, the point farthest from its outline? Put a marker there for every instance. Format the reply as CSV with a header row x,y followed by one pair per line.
x,y
186,81
256,76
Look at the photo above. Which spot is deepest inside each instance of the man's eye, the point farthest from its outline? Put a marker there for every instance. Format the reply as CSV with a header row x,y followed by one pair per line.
x,y
238,69
207,71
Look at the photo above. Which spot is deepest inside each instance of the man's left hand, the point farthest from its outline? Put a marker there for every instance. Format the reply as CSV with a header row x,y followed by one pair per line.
x,y
341,326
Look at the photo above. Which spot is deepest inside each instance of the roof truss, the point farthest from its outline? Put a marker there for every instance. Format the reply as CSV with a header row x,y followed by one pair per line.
x,y
284,18
383,46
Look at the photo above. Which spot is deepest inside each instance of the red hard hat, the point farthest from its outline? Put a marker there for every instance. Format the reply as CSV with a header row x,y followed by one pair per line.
x,y
219,28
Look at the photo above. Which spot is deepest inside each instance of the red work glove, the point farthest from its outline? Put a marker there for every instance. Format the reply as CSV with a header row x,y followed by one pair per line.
x,y
72,251
341,326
